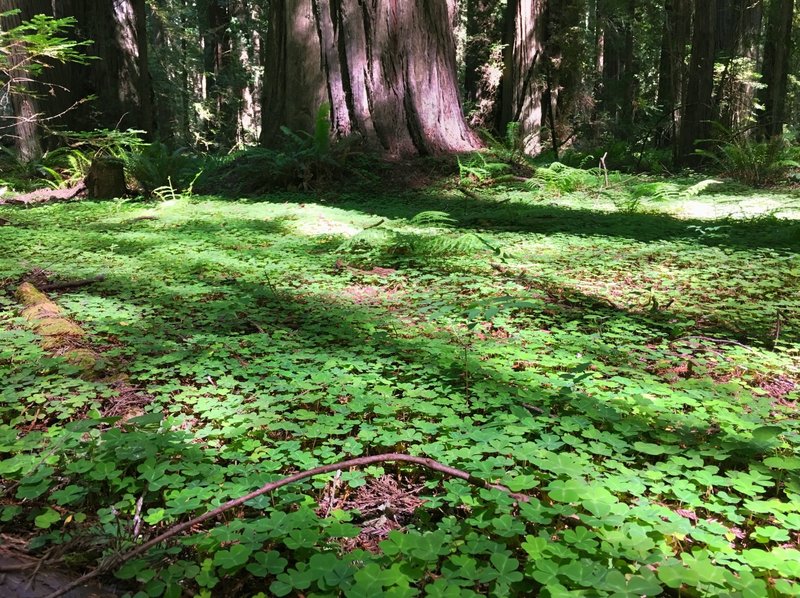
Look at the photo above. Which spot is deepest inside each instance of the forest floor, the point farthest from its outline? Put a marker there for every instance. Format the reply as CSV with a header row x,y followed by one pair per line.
x,y
630,362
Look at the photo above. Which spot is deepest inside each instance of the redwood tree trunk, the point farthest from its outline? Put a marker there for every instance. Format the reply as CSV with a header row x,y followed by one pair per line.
x,y
524,78
699,110
119,78
387,69
777,47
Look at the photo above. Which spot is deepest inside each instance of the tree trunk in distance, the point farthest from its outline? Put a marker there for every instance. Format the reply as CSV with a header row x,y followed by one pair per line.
x,y
23,103
698,105
523,86
482,60
738,33
386,68
672,71
777,48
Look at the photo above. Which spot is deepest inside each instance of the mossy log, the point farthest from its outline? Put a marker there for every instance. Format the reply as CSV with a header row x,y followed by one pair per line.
x,y
61,336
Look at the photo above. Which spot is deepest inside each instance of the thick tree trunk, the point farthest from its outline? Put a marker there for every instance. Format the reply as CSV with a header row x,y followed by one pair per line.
x,y
672,71
777,49
119,78
698,105
386,68
524,78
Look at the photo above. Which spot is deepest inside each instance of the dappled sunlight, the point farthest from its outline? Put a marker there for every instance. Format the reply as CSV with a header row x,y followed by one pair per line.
x,y
594,368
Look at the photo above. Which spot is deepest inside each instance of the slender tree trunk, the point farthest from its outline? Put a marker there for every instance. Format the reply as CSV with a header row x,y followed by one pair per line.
x,y
482,60
619,77
737,50
777,50
698,109
672,71
24,106
524,77
218,71
569,98
386,68
246,47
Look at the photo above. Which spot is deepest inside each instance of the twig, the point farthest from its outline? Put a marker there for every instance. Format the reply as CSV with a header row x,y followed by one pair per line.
x,y
721,341
470,194
137,515
71,284
604,168
375,225
358,462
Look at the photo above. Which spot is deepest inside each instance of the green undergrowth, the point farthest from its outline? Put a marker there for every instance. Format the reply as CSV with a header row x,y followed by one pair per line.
x,y
635,372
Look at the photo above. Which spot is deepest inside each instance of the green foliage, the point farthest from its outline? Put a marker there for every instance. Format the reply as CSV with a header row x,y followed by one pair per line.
x,y
427,234
476,167
154,166
560,178
755,163
634,373
38,42
303,162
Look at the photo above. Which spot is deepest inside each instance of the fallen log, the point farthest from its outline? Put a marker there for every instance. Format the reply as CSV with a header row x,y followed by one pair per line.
x,y
60,336
46,195
58,285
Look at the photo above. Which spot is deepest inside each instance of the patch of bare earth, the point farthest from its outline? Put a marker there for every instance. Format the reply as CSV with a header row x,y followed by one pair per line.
x,y
383,504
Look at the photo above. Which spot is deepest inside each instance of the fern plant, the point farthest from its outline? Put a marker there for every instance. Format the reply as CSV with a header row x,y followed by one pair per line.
x,y
755,163
428,234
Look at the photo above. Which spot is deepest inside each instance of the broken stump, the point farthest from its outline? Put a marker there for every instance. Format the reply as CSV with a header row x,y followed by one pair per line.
x,y
106,178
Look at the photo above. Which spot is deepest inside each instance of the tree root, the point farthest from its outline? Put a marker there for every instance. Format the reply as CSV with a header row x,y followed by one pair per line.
x,y
270,487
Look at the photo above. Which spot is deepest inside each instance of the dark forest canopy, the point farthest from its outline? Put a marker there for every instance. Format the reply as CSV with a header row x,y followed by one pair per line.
x,y
413,78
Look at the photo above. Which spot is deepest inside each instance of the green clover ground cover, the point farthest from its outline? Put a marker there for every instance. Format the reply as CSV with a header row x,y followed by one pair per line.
x,y
633,372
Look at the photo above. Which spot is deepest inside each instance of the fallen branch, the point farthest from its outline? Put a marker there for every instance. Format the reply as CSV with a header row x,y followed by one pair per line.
x,y
358,462
46,195
58,285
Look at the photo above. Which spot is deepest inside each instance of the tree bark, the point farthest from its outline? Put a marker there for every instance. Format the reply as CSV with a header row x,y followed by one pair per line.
x,y
672,71
524,77
619,80
777,49
737,41
698,105
386,68
119,78
24,106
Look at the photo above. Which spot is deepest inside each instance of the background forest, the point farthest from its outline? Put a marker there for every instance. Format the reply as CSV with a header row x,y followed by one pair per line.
x,y
399,298
646,82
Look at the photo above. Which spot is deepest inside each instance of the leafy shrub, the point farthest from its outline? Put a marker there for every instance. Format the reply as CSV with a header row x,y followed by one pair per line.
x,y
752,162
302,162
154,165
